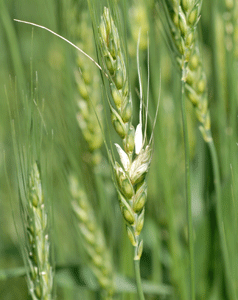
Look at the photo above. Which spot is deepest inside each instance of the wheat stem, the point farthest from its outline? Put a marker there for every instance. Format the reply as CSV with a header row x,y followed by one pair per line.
x,y
138,279
188,186
220,222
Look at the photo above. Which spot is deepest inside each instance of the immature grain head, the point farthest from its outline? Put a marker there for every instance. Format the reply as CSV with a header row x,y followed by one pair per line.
x,y
135,155
115,67
182,18
38,255
93,238
88,98
236,32
230,23
139,24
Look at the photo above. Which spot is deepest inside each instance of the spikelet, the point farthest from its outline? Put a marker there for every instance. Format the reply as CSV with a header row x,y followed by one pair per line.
x,y
40,275
93,238
182,19
135,157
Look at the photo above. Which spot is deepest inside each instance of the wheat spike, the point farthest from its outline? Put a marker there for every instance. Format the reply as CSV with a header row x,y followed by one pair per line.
x,y
182,19
88,98
139,25
38,249
135,157
93,238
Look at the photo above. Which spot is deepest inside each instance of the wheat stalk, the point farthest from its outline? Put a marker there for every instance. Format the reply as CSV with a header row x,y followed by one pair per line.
x,y
93,238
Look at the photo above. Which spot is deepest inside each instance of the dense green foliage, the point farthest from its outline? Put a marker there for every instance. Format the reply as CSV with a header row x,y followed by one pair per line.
x,y
58,108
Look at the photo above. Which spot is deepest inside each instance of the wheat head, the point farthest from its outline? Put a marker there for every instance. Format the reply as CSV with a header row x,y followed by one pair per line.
x,y
93,238
182,18
135,157
38,248
88,98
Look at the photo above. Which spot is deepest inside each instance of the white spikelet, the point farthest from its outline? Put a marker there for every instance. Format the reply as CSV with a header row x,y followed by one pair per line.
x,y
140,165
123,157
138,139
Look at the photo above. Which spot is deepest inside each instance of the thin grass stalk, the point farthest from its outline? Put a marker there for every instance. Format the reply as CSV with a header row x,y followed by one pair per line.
x,y
235,218
178,269
217,181
220,93
13,45
232,91
232,80
178,275
188,185
227,57
138,279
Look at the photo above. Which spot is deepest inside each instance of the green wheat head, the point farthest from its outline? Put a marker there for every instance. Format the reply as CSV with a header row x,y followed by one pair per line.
x,y
182,18
93,238
135,157
38,248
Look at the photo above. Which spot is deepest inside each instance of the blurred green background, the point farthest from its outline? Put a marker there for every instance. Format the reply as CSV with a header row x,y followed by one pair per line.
x,y
35,65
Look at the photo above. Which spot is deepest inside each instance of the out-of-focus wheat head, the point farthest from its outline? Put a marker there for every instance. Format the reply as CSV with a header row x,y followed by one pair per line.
x,y
38,253
236,31
89,97
139,25
93,238
135,157
230,19
182,18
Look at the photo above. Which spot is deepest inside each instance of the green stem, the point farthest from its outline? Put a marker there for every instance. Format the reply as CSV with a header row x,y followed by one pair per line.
x,y
13,45
221,228
188,185
138,279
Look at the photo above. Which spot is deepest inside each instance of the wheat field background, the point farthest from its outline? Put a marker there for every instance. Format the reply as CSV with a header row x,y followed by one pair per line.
x,y
72,203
